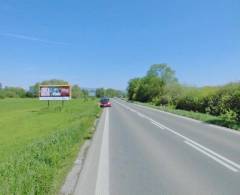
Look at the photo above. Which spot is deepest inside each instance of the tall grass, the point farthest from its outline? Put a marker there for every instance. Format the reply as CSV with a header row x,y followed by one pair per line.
x,y
38,166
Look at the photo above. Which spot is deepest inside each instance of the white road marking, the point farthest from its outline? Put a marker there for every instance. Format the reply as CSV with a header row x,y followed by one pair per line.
x,y
225,129
102,183
158,125
175,115
215,156
212,157
190,119
140,114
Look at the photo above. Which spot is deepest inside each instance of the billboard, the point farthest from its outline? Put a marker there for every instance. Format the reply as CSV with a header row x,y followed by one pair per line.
x,y
55,92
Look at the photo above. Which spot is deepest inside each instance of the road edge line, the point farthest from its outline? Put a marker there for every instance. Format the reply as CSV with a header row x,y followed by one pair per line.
x,y
215,156
102,183
234,131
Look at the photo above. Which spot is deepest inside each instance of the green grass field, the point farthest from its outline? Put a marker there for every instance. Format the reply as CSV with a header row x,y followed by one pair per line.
x,y
38,144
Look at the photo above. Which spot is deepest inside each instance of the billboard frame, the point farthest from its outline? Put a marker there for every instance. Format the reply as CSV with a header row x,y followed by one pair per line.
x,y
57,98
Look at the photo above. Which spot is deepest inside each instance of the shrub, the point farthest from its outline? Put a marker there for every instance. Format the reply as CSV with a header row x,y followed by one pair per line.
x,y
229,116
162,101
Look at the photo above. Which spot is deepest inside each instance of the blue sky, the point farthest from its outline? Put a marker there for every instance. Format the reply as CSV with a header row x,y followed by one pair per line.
x,y
105,43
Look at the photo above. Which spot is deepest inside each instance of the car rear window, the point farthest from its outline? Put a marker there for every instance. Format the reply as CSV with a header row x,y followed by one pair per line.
x,y
104,100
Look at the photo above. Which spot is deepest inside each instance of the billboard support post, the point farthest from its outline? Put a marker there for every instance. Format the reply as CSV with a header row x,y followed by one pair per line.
x,y
48,103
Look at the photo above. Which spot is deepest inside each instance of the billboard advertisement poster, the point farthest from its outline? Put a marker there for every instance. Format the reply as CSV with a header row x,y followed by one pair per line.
x,y
55,92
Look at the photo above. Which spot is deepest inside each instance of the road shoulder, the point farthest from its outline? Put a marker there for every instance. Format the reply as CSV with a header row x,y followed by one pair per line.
x,y
87,180
72,180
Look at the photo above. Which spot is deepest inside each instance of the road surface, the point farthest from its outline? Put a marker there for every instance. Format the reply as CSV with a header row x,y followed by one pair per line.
x,y
142,151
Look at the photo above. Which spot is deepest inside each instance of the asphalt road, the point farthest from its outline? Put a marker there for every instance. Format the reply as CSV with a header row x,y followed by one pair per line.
x,y
142,151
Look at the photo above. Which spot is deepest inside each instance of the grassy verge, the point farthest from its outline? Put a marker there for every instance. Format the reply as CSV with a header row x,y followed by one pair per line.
x,y
216,120
39,144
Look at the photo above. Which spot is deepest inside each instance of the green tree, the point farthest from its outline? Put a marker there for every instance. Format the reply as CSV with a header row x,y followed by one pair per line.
x,y
132,89
150,87
113,93
163,71
100,92
14,92
76,92
85,94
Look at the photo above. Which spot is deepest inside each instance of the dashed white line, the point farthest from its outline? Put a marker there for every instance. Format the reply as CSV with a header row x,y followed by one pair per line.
x,y
190,119
168,113
235,167
141,115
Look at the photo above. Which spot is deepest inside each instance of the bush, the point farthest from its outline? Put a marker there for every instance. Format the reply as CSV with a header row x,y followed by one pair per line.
x,y
187,103
156,88
212,104
12,92
162,101
2,96
231,102
229,116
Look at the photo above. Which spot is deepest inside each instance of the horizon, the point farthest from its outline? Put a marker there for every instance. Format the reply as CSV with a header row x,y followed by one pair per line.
x,y
94,88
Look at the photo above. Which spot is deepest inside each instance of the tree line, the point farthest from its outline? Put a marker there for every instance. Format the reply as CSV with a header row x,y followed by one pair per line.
x,y
33,91
77,92
160,87
101,92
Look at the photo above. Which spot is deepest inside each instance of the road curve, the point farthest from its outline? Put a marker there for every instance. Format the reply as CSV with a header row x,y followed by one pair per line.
x,y
141,151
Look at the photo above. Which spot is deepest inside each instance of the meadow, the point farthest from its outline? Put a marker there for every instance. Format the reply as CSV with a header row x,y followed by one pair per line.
x,y
38,144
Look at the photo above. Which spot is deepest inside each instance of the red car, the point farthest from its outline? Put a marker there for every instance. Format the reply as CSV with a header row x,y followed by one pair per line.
x,y
105,102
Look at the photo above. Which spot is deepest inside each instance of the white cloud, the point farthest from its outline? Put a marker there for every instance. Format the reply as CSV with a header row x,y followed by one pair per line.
x,y
29,38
